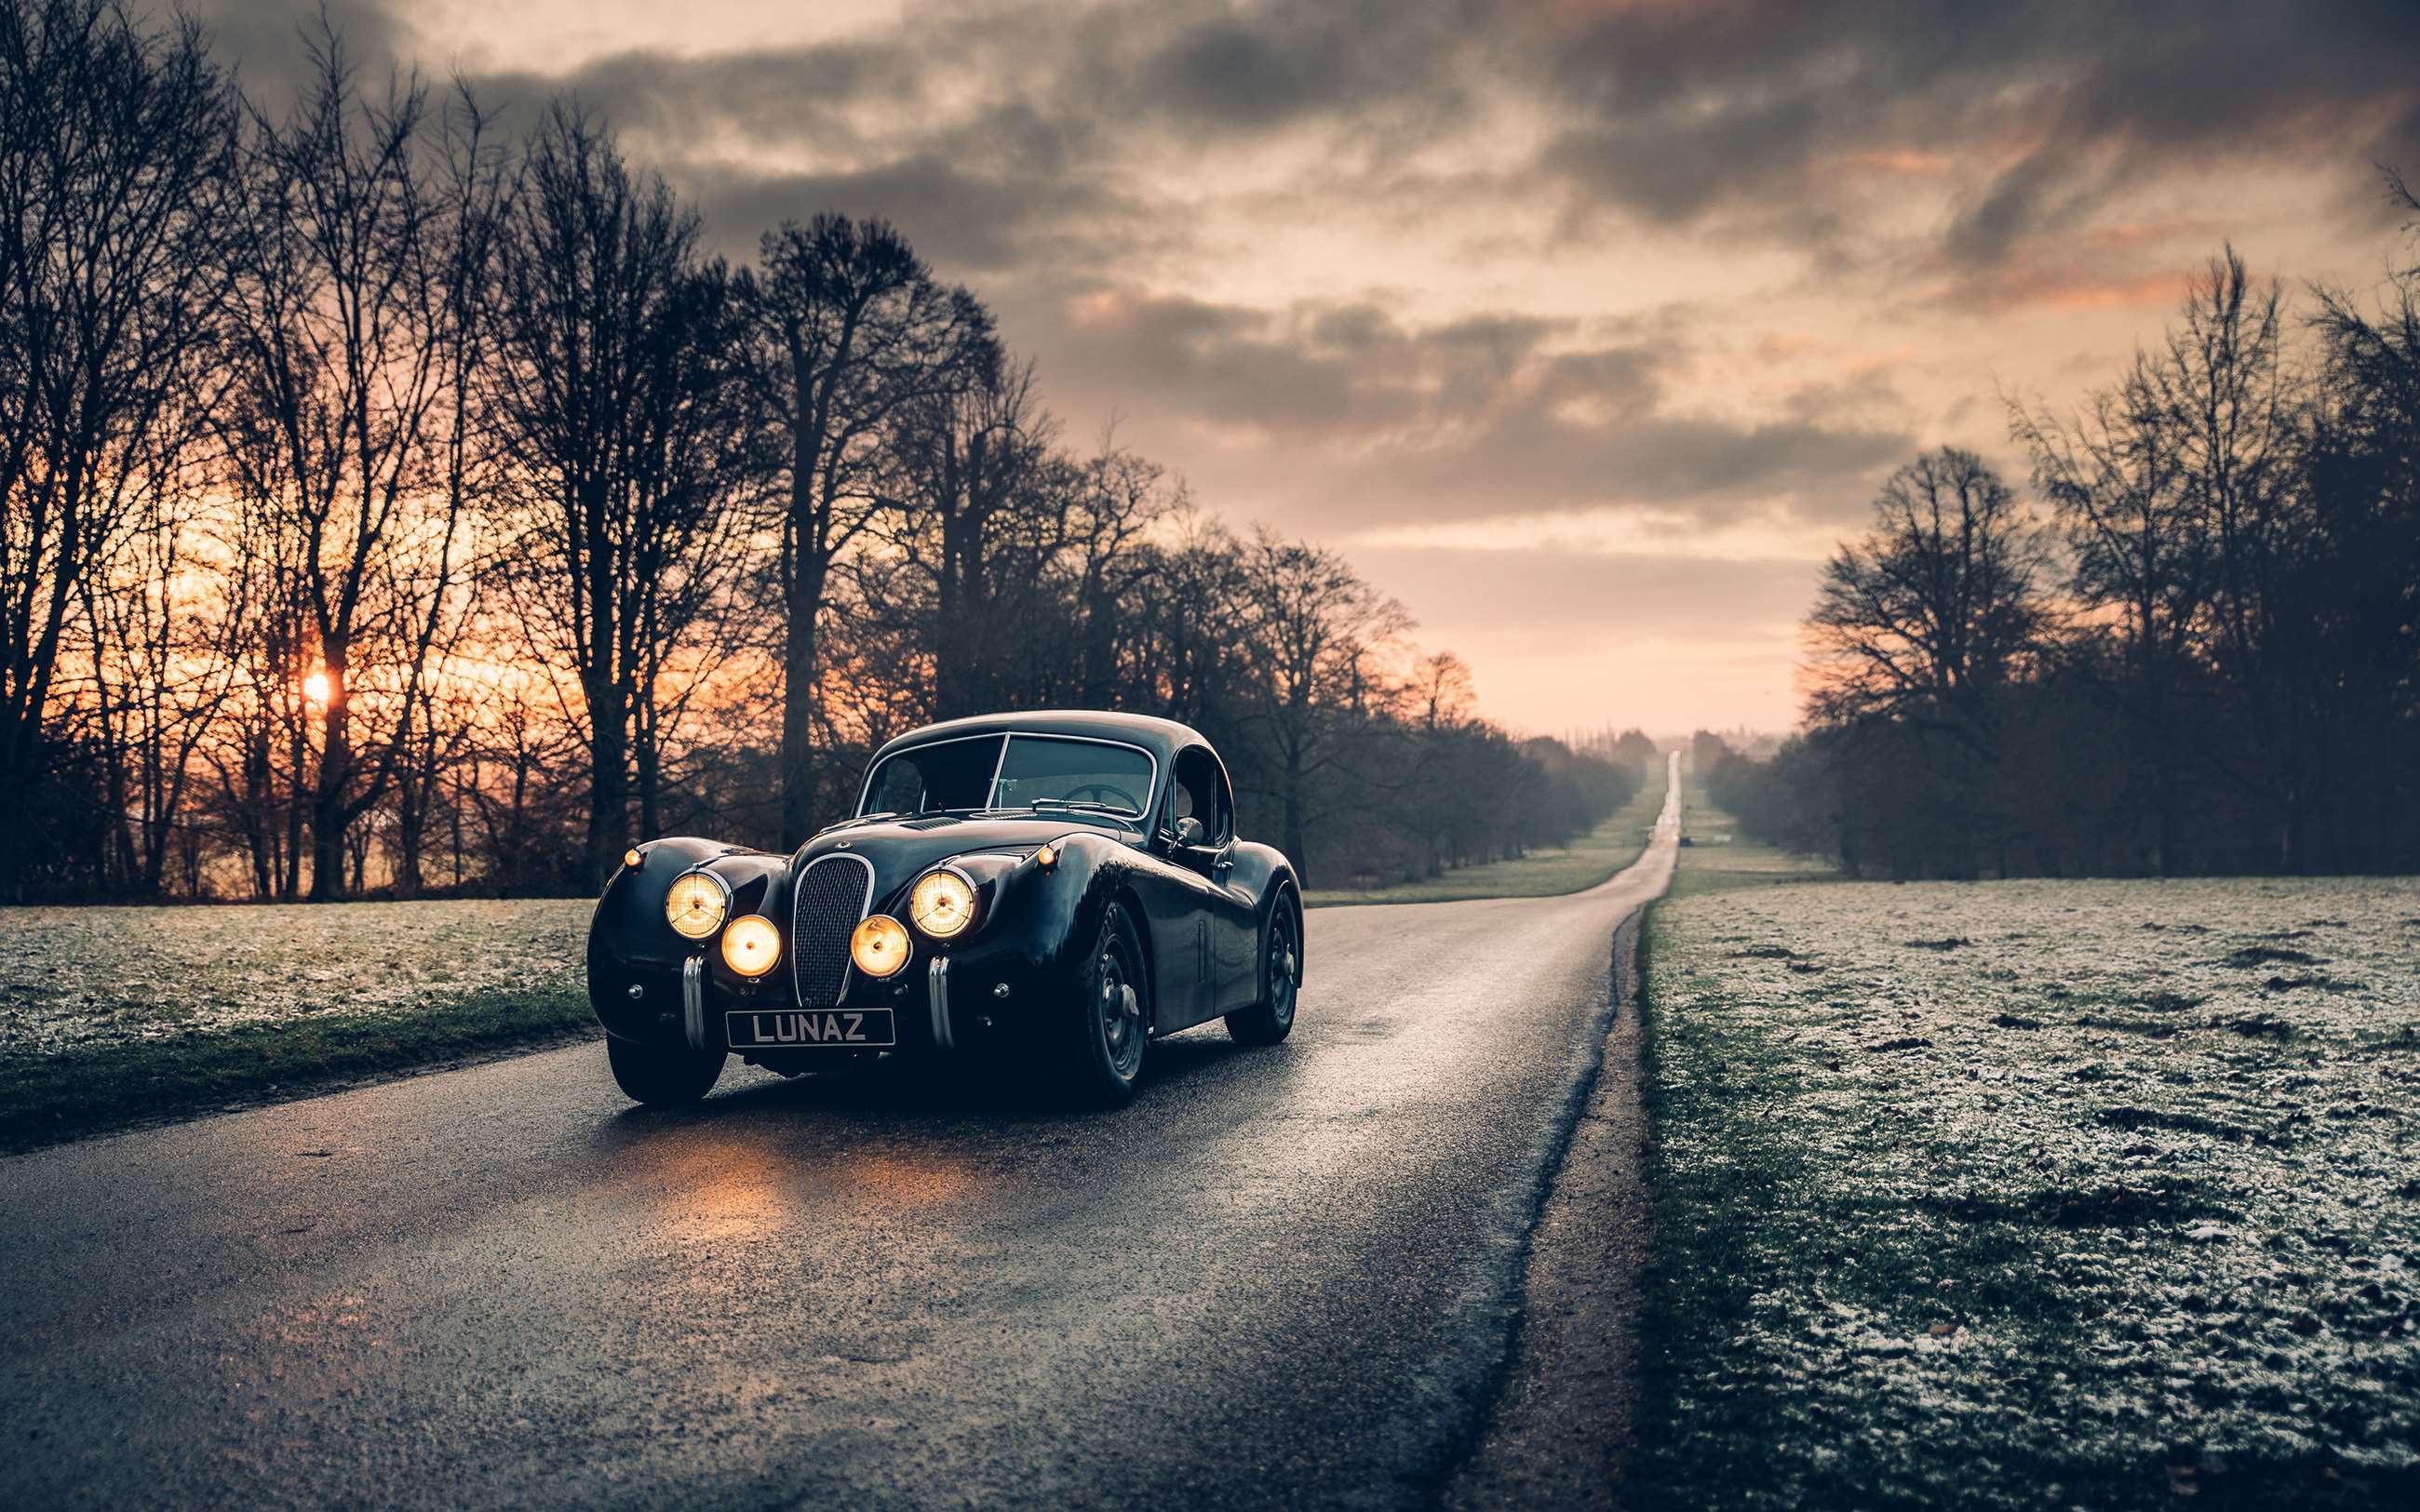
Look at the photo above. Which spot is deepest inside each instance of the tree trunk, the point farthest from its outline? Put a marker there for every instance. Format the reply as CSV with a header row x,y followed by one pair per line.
x,y
650,763
797,702
412,794
1294,828
608,787
328,818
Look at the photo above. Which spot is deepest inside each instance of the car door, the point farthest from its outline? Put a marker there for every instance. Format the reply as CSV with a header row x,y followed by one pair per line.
x,y
1232,926
1180,903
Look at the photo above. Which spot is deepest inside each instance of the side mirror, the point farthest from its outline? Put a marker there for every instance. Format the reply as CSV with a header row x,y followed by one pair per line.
x,y
1190,833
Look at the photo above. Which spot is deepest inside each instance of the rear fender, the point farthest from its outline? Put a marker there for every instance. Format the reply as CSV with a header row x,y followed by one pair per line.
x,y
1263,871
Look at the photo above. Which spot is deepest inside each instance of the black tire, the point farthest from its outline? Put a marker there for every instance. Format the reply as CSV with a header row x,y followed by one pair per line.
x,y
662,1077
1271,1019
1106,1033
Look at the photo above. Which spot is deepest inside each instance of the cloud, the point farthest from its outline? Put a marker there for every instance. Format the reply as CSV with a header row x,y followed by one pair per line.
x,y
1696,271
1490,415
271,40
1768,121
1539,592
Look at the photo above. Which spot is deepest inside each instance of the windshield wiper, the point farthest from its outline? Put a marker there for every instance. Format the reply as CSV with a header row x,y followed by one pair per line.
x,y
1088,806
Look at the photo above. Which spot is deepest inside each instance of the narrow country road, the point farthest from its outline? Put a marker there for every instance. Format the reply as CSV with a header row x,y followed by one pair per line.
x,y
1284,1276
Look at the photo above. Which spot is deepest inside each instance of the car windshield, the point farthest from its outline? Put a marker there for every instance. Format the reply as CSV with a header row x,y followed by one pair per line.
x,y
1031,772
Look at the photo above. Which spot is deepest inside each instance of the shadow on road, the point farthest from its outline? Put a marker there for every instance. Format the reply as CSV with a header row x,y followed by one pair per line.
x,y
1007,1092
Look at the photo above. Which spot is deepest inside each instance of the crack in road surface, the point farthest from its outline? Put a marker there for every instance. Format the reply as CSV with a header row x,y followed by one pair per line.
x,y
1283,1276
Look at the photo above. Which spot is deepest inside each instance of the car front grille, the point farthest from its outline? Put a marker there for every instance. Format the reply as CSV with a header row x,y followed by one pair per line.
x,y
833,893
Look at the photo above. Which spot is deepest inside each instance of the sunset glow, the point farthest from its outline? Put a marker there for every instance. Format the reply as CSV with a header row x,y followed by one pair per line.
x,y
1450,293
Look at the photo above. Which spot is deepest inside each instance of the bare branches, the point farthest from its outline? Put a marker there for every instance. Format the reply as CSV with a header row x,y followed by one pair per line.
x,y
114,157
389,505
621,398
1939,610
850,330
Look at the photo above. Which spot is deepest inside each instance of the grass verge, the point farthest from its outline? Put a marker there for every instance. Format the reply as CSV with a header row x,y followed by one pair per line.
x,y
2033,1195
49,1097
1586,862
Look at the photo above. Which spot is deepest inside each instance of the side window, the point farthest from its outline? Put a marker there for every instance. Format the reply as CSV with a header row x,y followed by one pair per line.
x,y
1197,792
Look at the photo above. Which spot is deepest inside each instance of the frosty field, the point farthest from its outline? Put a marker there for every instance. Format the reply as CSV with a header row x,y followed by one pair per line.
x,y
2035,1194
115,1015
78,977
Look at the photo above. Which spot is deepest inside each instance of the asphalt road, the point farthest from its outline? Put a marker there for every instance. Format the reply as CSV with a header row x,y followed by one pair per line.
x,y
1283,1276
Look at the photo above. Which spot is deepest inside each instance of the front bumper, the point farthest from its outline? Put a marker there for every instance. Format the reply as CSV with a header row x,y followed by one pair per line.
x,y
981,996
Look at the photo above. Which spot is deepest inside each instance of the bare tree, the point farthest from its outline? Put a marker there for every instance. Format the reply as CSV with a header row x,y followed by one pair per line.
x,y
1315,630
115,150
1937,610
850,328
619,392
2140,549
977,463
164,624
2235,409
1120,498
349,307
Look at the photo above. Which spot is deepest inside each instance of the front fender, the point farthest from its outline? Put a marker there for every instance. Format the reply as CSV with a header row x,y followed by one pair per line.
x,y
1032,942
635,957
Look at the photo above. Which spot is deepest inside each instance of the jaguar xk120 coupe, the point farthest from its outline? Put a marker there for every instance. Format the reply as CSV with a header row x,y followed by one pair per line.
x,y
1048,890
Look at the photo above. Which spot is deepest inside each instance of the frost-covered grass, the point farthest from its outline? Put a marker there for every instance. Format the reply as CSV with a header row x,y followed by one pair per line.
x,y
2035,1194
1587,862
110,1015
79,978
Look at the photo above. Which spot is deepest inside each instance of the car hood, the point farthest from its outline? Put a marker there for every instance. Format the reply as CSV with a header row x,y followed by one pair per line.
x,y
900,850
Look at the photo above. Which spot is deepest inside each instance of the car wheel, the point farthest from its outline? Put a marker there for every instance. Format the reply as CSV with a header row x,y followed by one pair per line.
x,y
1271,1019
660,1076
1110,1025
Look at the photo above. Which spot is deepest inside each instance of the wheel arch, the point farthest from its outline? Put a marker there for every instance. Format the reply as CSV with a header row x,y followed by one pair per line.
x,y
1285,892
1124,893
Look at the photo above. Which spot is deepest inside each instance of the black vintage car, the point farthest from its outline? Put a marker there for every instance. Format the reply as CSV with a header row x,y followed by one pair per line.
x,y
1049,890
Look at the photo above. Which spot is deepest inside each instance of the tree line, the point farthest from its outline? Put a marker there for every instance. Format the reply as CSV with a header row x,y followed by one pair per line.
x,y
2195,649
394,506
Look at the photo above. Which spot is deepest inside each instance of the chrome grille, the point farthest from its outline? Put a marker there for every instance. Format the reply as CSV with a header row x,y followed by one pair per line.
x,y
833,893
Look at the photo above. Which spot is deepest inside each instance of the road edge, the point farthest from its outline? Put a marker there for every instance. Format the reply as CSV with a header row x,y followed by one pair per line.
x,y
1560,1417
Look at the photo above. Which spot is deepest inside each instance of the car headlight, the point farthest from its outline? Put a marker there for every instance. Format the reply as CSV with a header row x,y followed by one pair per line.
x,y
751,945
942,905
879,946
696,904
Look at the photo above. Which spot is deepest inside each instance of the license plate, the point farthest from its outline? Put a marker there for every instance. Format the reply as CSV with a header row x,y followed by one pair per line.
x,y
799,1028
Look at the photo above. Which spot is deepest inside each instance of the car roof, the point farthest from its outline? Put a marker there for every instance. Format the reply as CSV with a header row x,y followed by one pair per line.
x,y
1163,738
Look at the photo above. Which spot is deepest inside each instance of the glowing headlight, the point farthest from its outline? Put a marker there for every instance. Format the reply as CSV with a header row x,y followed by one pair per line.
x,y
879,946
695,907
942,904
751,945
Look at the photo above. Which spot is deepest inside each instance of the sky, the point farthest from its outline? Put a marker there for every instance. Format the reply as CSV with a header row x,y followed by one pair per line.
x,y
1582,327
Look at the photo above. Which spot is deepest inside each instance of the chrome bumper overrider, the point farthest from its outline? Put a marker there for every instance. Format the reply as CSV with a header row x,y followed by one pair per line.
x,y
937,991
694,1001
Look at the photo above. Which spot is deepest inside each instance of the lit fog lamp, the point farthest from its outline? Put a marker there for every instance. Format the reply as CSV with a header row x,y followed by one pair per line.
x,y
942,904
695,905
879,946
751,945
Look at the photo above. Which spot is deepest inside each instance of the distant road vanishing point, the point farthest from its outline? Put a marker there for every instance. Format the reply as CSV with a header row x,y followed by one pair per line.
x,y
1284,1276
